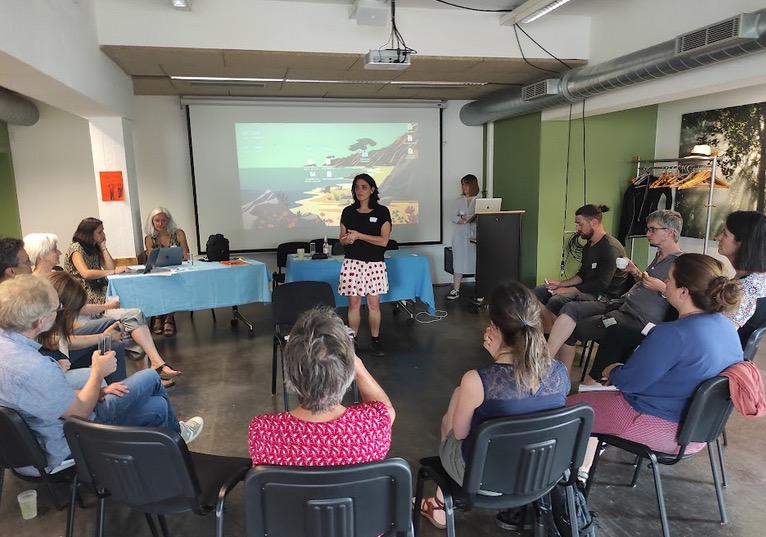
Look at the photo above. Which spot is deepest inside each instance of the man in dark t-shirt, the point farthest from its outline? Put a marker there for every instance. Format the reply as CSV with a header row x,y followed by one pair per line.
x,y
598,276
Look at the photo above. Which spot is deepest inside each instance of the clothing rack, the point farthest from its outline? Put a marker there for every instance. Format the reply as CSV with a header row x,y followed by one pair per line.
x,y
686,166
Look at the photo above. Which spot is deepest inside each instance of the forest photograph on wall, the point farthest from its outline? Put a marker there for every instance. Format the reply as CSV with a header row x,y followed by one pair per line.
x,y
738,135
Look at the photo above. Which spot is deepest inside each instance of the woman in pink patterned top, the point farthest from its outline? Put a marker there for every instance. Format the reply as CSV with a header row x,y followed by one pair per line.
x,y
320,365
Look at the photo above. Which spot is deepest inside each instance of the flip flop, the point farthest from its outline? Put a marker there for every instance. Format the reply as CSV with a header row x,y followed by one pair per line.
x,y
157,326
169,329
165,376
427,508
168,383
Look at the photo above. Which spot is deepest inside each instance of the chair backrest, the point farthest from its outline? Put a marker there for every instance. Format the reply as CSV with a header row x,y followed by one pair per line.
x,y
338,249
708,412
329,501
287,248
18,445
525,456
148,468
392,245
288,301
754,324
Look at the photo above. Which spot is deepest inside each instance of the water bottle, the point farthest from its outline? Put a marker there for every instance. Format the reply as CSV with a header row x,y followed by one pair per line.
x,y
326,247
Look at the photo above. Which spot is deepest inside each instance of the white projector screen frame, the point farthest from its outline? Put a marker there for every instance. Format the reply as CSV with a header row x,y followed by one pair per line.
x,y
267,172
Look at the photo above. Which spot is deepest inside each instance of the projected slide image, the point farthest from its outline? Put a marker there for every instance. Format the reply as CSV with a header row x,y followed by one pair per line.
x,y
298,175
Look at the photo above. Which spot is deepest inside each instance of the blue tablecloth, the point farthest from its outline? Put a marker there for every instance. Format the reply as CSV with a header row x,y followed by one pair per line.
x,y
193,287
409,276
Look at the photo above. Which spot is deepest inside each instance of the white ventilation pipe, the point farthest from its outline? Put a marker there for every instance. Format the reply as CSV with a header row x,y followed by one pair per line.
x,y
17,110
641,66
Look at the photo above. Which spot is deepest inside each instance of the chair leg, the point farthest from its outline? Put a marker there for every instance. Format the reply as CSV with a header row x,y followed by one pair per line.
x,y
71,511
152,525
274,367
449,511
56,502
586,359
100,516
593,467
163,526
717,483
571,510
660,496
2,480
725,439
212,311
637,464
422,477
721,461
284,386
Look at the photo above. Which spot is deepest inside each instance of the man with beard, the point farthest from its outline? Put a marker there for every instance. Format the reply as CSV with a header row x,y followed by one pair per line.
x,y
598,277
644,303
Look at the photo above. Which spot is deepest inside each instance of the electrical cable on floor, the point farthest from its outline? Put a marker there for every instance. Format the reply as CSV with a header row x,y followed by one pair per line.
x,y
435,318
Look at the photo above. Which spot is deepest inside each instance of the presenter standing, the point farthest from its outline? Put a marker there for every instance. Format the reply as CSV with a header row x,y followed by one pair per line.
x,y
365,227
463,250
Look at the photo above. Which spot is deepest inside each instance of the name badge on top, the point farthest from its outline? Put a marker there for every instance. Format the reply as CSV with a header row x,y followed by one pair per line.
x,y
373,219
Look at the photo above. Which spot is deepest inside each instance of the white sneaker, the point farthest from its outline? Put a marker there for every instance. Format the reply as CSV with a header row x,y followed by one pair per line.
x,y
191,429
453,294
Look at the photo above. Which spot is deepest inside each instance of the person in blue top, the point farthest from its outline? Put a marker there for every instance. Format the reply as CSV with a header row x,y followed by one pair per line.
x,y
655,386
365,227
523,378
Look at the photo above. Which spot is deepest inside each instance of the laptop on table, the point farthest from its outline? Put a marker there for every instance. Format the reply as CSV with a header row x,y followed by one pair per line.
x,y
486,205
160,258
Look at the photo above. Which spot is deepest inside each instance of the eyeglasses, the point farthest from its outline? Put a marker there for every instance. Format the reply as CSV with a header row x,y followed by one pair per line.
x,y
653,229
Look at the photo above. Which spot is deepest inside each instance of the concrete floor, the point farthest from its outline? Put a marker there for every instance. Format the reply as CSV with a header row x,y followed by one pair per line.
x,y
227,379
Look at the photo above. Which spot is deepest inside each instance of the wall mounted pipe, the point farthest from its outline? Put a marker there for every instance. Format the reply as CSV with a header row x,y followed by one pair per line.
x,y
17,110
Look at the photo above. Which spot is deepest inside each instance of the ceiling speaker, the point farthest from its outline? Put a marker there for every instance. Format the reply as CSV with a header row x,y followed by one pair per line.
x,y
371,12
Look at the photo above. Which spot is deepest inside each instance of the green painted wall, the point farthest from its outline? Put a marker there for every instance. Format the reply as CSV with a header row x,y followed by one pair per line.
x,y
530,166
10,222
516,172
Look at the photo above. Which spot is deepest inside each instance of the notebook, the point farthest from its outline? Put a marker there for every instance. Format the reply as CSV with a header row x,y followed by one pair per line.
x,y
164,257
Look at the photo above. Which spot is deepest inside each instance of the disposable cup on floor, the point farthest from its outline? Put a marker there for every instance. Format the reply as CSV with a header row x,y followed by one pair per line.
x,y
28,504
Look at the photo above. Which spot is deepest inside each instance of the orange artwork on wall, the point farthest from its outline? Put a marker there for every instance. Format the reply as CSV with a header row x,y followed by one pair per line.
x,y
112,186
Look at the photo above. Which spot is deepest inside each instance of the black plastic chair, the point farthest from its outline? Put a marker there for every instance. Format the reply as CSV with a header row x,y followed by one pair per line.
x,y
705,420
338,249
520,457
283,250
151,470
752,331
329,501
288,301
19,448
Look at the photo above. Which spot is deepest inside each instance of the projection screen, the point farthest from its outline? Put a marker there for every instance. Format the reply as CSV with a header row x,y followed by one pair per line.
x,y
272,172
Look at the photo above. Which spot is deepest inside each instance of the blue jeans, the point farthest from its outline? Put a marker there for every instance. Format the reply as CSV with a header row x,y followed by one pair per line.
x,y
146,405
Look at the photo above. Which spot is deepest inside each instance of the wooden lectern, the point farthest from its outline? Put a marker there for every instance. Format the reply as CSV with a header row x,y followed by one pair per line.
x,y
498,249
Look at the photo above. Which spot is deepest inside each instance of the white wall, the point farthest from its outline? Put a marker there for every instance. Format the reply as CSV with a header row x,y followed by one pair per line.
x,y
53,165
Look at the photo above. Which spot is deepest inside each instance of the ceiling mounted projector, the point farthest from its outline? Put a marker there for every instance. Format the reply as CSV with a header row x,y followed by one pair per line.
x,y
387,59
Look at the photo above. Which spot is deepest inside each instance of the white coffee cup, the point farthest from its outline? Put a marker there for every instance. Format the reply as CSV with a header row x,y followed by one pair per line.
x,y
621,262
301,253
28,504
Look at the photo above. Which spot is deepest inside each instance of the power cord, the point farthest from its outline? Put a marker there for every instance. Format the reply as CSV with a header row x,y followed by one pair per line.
x,y
396,39
474,8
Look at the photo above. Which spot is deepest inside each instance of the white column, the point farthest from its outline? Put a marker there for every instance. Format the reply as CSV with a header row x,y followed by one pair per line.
x,y
112,146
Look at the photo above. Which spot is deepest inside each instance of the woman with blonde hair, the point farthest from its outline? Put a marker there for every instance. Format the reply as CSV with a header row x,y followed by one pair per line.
x,y
162,232
463,250
523,378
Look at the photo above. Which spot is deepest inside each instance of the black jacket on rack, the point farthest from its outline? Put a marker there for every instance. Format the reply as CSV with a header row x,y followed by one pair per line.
x,y
637,202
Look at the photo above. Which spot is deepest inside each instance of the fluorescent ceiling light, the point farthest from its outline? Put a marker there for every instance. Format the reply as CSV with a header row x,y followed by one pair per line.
x,y
224,81
181,4
531,11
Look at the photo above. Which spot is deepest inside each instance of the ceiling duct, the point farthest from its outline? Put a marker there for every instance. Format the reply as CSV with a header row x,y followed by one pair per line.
x,y
17,110
725,40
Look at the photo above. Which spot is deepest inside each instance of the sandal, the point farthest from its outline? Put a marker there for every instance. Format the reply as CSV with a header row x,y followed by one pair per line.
x,y
157,327
168,383
161,370
170,329
427,508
